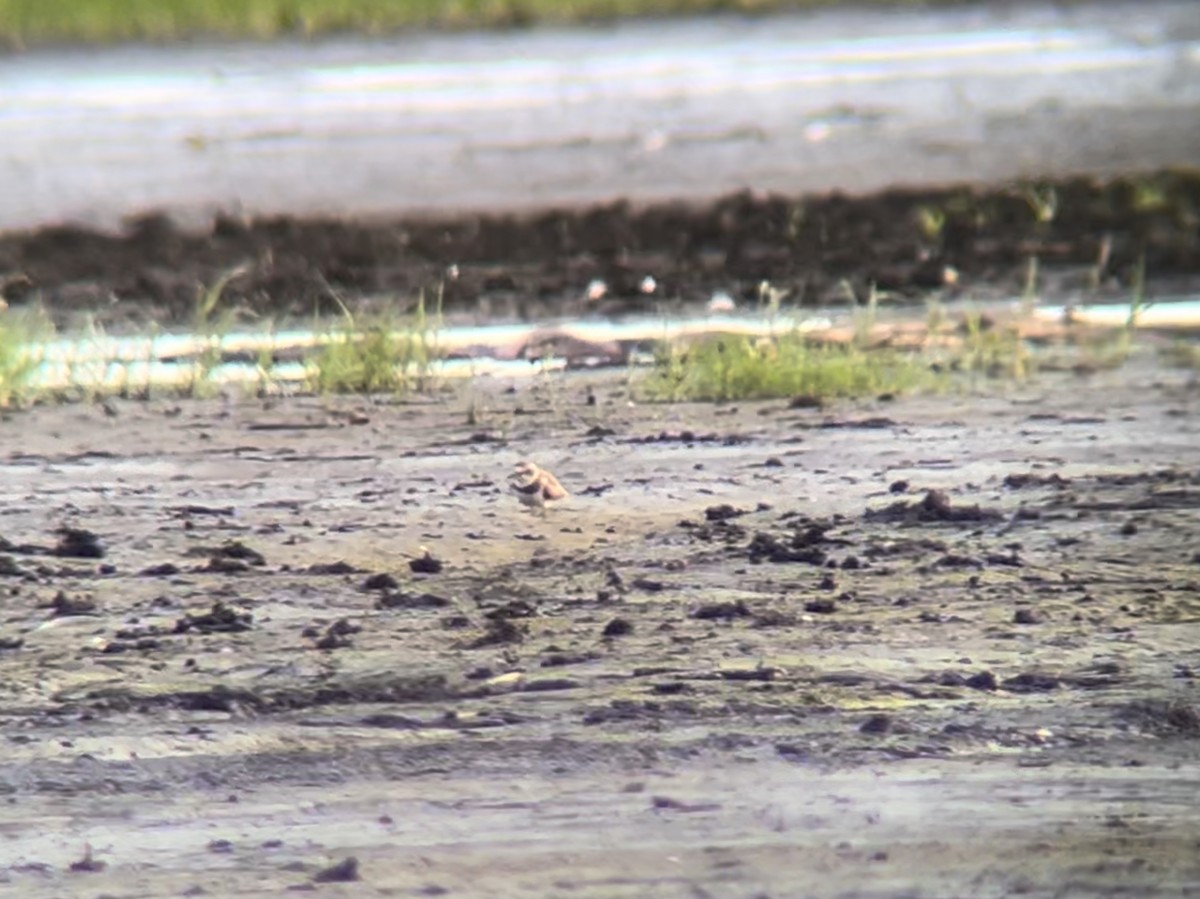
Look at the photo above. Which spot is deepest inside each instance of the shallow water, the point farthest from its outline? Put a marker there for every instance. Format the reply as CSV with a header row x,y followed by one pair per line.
x,y
845,99
169,360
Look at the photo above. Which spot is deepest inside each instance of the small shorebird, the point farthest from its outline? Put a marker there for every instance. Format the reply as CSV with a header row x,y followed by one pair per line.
x,y
535,487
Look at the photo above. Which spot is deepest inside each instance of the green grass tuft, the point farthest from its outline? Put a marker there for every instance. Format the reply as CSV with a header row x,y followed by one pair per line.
x,y
993,351
382,357
738,368
1107,349
212,323
21,333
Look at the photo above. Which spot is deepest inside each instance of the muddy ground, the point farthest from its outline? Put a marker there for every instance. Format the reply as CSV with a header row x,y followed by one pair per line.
x,y
1089,236
939,646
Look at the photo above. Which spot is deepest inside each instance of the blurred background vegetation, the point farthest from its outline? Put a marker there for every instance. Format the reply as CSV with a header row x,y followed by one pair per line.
x,y
28,23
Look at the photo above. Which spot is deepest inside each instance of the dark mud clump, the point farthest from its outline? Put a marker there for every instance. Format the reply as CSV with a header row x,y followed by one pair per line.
x,y
73,543
934,507
77,543
381,581
721,610
336,636
400,599
220,619
723,512
345,871
1019,481
1165,717
773,549
426,563
500,632
617,627
231,558
807,543
88,864
532,264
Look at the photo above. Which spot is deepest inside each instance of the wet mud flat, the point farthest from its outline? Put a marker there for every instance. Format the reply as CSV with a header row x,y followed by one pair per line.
x,y
934,646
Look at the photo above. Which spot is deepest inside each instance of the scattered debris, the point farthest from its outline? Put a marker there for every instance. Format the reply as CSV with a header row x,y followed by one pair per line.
x,y
337,635
935,506
231,558
499,632
1031,682
235,549
63,606
774,618
514,608
220,619
1166,717
1019,481
772,549
403,600
193,509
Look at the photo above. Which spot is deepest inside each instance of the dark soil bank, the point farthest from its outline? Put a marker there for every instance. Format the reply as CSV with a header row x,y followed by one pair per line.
x,y
1087,235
